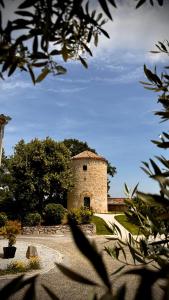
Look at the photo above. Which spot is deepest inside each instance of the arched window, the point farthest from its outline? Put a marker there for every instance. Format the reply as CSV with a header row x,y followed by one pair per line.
x,y
87,202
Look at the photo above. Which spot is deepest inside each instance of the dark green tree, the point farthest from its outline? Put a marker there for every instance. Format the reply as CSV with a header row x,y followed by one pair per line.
x,y
6,182
76,146
41,174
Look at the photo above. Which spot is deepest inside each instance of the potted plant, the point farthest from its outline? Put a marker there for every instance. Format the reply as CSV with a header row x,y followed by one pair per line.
x,y
9,231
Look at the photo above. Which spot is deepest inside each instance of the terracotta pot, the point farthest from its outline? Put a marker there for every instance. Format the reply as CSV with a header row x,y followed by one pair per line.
x,y
9,252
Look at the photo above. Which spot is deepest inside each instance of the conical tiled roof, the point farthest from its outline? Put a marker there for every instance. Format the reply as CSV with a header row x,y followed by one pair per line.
x,y
88,154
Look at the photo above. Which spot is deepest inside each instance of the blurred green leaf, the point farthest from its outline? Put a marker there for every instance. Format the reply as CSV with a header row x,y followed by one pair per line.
x,y
6,65
12,68
60,70
117,229
50,293
104,32
31,74
24,13
105,8
107,296
44,73
134,190
40,64
2,3
112,2
27,3
153,199
83,62
155,167
140,3
55,52
118,270
151,76
121,293
75,276
96,39
87,49
10,288
91,254
126,188
160,2
31,291
35,44
163,47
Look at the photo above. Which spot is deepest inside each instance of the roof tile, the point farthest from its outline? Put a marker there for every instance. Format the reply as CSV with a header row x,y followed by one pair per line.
x,y
88,154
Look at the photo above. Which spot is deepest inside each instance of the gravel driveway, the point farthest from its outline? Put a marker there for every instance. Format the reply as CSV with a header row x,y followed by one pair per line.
x,y
65,288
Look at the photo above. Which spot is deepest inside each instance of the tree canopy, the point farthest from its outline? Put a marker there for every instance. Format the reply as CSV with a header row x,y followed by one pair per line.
x,y
44,30
40,174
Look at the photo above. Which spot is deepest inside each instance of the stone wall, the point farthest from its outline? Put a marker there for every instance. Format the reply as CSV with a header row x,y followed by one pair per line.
x,y
90,183
89,229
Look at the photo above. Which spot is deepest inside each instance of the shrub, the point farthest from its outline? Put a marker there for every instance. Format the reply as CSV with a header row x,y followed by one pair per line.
x,y
54,213
34,263
33,219
17,266
20,266
10,230
86,215
73,216
3,219
80,215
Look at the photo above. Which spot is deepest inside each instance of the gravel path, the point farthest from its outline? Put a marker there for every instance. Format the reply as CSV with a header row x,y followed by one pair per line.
x,y
110,219
63,287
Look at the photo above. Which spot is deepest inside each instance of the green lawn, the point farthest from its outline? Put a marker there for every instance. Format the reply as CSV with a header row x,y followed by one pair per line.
x,y
100,226
133,229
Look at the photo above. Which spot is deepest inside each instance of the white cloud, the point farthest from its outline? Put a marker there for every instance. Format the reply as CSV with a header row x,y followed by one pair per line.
x,y
11,129
65,90
12,85
134,32
69,80
126,77
130,76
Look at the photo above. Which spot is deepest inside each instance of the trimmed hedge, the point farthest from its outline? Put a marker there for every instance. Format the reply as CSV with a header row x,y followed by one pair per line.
x,y
53,213
33,219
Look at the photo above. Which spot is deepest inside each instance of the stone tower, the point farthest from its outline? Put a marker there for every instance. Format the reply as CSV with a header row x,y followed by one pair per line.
x,y
89,182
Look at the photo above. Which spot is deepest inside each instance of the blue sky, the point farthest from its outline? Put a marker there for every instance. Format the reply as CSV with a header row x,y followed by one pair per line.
x,y
104,105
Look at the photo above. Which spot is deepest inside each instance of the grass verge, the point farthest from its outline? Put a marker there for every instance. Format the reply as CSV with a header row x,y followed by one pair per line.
x,y
132,228
101,228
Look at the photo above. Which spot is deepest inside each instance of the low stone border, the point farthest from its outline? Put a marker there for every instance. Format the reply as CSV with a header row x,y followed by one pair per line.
x,y
89,229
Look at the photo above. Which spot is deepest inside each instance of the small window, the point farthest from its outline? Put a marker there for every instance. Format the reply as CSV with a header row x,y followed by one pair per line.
x,y
84,167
